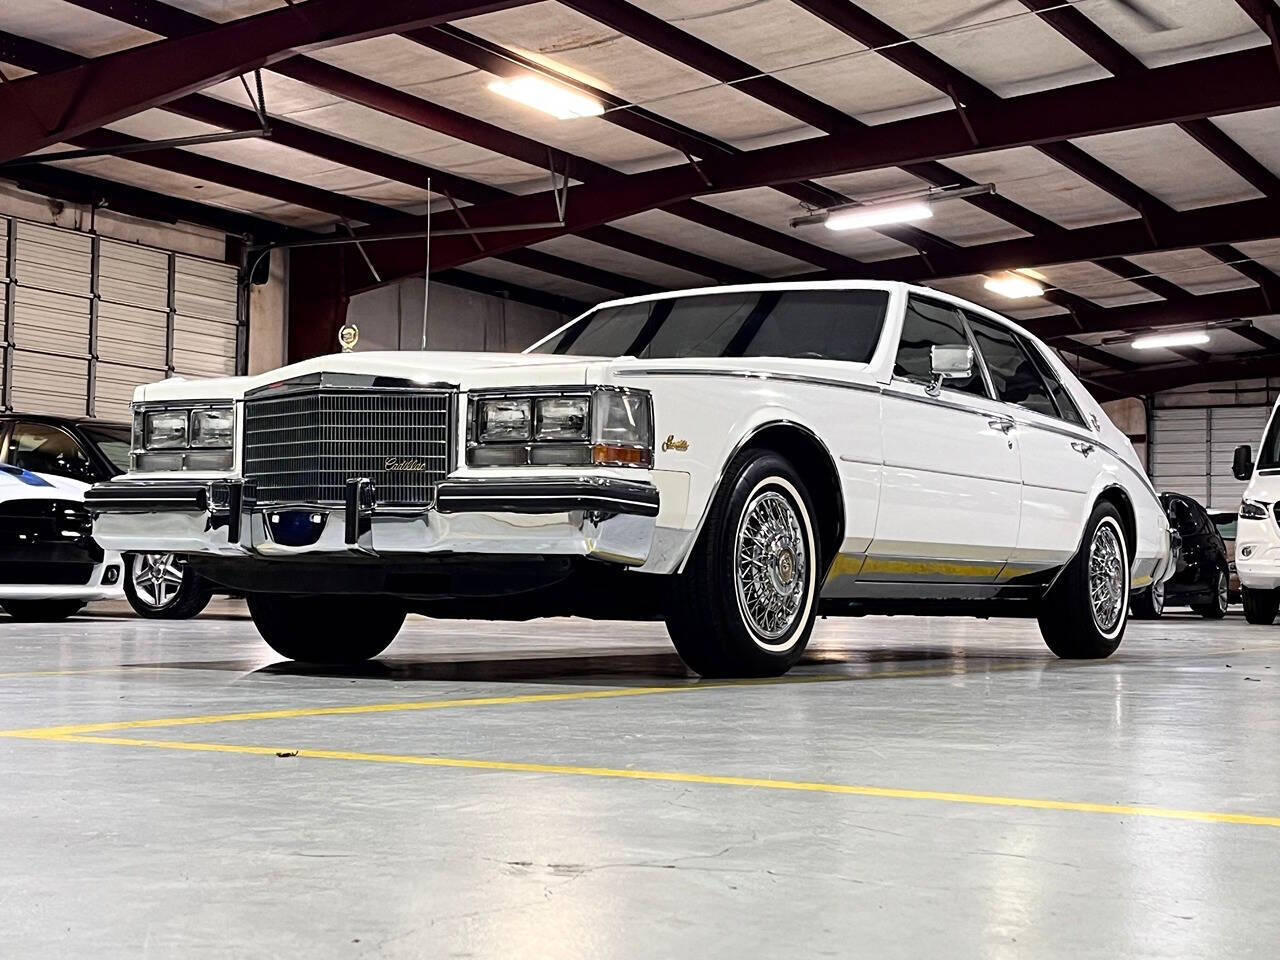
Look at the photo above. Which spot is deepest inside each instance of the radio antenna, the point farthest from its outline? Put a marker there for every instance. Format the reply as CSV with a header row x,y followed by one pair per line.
x,y
426,273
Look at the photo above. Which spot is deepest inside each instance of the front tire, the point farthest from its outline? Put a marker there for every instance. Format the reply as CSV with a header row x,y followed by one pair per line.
x,y
330,630
1260,606
162,586
1149,604
1217,608
1083,617
746,602
41,611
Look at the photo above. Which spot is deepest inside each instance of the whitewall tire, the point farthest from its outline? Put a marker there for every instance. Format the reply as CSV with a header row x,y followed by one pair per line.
x,y
1084,615
745,604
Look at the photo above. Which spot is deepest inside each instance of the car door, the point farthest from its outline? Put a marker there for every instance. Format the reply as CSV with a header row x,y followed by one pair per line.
x,y
951,495
1060,456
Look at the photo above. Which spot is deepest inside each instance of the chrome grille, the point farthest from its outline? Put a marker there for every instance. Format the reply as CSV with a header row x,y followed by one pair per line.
x,y
303,446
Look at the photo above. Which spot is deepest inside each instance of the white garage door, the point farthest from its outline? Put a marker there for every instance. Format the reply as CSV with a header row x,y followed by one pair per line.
x,y
1191,450
87,319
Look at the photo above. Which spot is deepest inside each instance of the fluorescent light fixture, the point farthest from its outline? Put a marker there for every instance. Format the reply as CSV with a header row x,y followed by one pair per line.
x,y
561,102
1186,338
877,214
1014,284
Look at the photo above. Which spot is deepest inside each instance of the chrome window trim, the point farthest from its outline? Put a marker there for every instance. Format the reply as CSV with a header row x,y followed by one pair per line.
x,y
942,401
743,374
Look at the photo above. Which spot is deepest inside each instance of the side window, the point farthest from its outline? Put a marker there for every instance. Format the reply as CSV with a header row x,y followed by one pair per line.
x,y
1013,376
44,449
927,324
1067,408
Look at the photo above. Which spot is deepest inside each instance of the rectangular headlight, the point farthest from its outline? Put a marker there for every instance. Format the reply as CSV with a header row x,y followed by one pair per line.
x,y
601,426
212,428
505,420
165,429
563,418
622,418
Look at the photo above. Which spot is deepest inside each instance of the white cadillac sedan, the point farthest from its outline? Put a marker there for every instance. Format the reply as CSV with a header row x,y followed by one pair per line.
x,y
732,460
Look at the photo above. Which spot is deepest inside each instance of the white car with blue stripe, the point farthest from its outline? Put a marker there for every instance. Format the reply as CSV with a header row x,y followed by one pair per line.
x,y
50,565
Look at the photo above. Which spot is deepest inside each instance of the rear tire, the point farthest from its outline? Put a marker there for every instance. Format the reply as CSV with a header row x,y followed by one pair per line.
x,y
1217,609
1084,615
41,611
1149,604
160,586
745,604
1260,606
331,630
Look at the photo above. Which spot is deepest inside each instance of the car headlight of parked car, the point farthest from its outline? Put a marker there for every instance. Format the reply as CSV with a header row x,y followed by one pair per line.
x,y
1252,510
196,436
602,426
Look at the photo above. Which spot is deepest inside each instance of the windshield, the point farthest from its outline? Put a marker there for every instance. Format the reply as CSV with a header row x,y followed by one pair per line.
x,y
1269,455
817,324
112,443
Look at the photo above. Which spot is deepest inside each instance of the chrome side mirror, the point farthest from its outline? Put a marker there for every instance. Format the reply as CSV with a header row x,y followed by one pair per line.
x,y
948,362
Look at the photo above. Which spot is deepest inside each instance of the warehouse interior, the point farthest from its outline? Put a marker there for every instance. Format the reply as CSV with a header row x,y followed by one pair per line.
x,y
213,188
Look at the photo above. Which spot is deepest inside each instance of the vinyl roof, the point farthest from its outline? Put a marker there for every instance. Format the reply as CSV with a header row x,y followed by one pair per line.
x,y
1172,177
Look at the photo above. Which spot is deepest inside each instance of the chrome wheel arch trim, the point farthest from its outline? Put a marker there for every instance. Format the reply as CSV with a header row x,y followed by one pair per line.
x,y
742,444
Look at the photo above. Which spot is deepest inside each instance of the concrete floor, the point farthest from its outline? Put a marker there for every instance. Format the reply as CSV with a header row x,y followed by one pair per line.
x,y
938,788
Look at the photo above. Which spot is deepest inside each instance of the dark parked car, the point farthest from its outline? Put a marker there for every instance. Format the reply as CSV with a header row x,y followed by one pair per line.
x,y
1203,577
158,585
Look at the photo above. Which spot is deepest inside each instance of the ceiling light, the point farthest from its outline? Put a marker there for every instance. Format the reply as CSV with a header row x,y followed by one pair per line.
x,y
1186,338
1014,284
877,214
561,102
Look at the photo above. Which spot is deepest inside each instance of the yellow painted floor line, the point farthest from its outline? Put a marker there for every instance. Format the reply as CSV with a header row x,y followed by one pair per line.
x,y
955,669
891,793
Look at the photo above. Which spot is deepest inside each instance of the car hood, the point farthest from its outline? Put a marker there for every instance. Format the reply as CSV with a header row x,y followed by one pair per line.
x,y
465,370
16,484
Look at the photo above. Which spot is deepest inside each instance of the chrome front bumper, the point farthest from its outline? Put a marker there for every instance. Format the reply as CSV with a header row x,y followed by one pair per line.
x,y
604,518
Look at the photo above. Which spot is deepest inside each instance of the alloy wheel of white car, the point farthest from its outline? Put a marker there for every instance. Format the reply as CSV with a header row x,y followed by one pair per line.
x,y
157,578
162,586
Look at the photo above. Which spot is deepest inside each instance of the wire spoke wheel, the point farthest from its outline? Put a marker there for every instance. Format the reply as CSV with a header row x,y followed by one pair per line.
x,y
771,565
1107,578
157,578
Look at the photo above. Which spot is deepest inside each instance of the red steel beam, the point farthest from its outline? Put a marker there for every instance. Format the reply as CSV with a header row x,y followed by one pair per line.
x,y
1160,378
48,108
1224,84
161,18
1205,308
34,56
899,49
659,35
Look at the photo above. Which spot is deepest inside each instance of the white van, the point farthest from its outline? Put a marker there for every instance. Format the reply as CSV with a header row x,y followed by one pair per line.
x,y
1258,533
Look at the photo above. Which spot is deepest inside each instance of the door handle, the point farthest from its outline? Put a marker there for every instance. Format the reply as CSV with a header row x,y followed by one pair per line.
x,y
1082,448
1004,426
